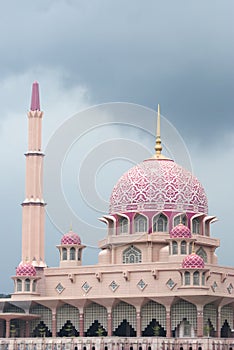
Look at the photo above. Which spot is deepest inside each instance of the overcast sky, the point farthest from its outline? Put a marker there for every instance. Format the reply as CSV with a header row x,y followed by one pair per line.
x,y
83,53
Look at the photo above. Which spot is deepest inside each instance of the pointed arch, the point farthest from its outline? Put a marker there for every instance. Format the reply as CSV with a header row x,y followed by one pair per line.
x,y
123,224
153,317
202,253
183,310
160,223
183,248
140,223
131,255
46,318
180,218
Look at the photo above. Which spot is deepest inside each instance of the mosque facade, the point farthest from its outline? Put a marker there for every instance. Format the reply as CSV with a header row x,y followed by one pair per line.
x,y
157,283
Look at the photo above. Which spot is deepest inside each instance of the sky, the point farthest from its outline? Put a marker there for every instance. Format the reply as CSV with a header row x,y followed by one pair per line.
x,y
103,66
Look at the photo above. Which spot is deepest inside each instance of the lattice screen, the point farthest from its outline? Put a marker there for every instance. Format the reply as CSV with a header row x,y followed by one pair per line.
x,y
183,310
95,312
150,311
227,315
65,313
46,317
123,311
210,313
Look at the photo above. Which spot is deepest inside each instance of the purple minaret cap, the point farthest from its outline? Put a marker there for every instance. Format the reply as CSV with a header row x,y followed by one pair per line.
x,y
35,101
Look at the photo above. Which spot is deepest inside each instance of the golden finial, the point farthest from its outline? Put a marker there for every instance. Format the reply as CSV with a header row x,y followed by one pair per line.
x,y
158,144
193,248
70,226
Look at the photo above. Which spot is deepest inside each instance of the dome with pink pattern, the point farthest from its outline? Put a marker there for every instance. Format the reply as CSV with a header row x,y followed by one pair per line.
x,y
157,185
193,261
70,238
25,270
180,231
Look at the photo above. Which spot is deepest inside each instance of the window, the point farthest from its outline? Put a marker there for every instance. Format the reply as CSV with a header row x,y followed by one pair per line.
x,y
64,254
123,225
190,247
174,248
187,278
140,223
79,255
196,226
203,278
183,248
202,253
180,219
34,286
131,255
72,253
27,285
19,285
160,223
196,278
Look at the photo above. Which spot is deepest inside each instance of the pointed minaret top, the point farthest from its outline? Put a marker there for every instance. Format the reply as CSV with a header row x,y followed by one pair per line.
x,y
35,101
158,145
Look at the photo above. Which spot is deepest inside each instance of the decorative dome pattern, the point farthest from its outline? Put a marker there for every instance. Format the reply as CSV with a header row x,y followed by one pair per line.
x,y
26,270
158,185
193,261
180,231
70,238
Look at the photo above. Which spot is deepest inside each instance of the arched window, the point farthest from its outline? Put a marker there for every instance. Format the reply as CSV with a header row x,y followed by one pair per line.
x,y
27,285
140,223
196,278
183,247
72,253
34,286
196,226
64,253
19,285
187,278
174,248
79,254
131,255
123,225
202,253
190,247
203,278
160,223
180,219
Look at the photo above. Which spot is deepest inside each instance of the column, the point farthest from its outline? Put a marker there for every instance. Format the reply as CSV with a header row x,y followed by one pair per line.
x,y
138,330
81,325
54,323
168,322
27,329
200,321
218,323
7,328
109,324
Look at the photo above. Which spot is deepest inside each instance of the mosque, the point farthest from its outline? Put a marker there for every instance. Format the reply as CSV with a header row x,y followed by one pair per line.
x,y
157,283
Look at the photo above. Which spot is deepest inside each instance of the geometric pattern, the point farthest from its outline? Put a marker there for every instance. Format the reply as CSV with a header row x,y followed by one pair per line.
x,y
141,285
158,185
59,288
113,286
193,261
170,283
26,270
180,231
70,238
95,312
86,287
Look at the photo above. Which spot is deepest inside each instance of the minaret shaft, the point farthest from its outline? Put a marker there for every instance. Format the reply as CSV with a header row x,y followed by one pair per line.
x,y
33,205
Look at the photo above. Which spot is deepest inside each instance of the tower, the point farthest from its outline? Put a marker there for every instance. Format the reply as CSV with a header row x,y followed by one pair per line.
x,y
34,205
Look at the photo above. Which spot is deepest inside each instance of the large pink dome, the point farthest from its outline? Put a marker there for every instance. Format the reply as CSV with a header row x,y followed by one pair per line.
x,y
70,238
158,184
180,231
26,270
193,261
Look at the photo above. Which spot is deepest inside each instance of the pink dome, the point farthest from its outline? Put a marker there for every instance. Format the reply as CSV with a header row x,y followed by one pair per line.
x,y
70,238
158,184
180,231
193,261
25,270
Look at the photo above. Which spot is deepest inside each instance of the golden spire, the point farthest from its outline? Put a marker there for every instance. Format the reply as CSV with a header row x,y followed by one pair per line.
x,y
158,144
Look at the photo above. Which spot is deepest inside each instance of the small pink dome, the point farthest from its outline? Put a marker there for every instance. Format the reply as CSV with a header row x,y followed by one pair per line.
x,y
70,238
193,261
180,231
26,270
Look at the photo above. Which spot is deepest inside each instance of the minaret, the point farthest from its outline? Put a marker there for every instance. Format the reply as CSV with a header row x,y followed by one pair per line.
x,y
34,205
